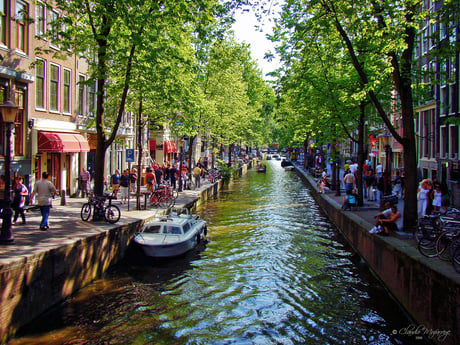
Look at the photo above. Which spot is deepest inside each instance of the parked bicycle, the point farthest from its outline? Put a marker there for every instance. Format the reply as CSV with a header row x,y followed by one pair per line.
x,y
96,207
164,196
214,175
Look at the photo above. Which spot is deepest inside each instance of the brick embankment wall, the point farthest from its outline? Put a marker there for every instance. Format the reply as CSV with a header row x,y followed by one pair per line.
x,y
31,285
428,289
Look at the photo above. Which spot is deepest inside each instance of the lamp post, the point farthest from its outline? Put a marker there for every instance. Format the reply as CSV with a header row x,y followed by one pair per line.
x,y
181,150
388,153
8,110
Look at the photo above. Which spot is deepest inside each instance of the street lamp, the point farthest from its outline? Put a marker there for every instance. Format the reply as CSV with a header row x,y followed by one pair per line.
x,y
8,110
388,153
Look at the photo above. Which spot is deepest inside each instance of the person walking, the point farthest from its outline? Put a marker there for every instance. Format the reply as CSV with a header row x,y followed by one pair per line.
x,y
133,178
84,180
115,182
20,192
197,175
124,186
45,191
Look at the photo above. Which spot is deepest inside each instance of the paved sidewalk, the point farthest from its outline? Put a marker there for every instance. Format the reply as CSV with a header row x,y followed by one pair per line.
x,y
366,212
67,227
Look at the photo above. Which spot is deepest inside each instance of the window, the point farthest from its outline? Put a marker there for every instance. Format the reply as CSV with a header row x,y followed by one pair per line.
x,y
54,16
154,229
3,21
40,84
20,16
92,100
40,19
454,140
2,126
66,92
54,87
19,123
81,95
444,142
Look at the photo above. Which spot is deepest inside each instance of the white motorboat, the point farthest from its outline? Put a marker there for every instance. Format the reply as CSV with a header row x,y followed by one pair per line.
x,y
172,235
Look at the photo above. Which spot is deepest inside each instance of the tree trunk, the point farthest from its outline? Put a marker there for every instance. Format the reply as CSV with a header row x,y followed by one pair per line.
x,y
359,178
140,150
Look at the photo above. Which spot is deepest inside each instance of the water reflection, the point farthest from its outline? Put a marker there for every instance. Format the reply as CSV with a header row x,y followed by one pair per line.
x,y
275,271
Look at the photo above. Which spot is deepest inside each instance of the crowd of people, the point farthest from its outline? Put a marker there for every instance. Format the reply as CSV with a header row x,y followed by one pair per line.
x,y
431,195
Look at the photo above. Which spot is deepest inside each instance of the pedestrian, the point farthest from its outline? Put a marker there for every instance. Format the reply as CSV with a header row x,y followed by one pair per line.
x,y
397,186
124,186
150,180
379,170
349,181
133,178
45,190
115,182
158,175
197,175
445,202
84,182
422,197
173,175
20,193
436,197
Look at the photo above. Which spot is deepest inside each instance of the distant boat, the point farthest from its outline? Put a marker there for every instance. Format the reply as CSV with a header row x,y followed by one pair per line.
x,y
172,235
285,163
262,168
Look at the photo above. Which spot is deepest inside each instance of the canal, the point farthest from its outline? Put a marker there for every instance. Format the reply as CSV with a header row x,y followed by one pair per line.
x,y
274,271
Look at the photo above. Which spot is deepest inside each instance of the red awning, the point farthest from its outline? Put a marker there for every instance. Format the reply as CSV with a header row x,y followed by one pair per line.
x,y
153,145
62,142
170,146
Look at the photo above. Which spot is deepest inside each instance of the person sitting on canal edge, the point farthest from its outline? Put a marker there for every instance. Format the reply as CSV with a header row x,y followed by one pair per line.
x,y
45,191
385,214
394,223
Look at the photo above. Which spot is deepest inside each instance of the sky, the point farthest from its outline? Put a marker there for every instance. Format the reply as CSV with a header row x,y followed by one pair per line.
x,y
245,31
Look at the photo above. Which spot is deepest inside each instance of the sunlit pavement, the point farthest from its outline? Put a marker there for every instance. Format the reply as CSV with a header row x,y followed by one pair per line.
x,y
66,226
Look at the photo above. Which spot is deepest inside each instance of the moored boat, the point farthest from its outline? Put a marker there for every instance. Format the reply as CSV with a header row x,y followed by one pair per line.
x,y
262,168
171,235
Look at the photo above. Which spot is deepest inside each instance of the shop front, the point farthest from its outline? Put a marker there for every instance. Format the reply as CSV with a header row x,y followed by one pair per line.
x,y
59,154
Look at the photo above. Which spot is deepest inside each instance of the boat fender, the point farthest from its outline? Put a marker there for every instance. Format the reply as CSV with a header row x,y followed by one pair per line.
x,y
205,231
198,238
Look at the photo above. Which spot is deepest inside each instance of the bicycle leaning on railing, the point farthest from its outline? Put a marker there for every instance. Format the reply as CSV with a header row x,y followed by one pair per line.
x,y
439,236
96,207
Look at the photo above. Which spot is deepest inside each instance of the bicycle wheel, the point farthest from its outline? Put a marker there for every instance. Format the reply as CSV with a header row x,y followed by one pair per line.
x,y
166,201
444,246
427,247
456,258
112,214
85,212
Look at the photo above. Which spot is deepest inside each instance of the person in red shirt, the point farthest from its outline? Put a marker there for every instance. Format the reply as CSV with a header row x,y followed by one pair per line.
x,y
150,180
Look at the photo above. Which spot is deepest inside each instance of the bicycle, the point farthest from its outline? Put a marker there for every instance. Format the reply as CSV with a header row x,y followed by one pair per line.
x,y
449,238
162,196
96,207
427,234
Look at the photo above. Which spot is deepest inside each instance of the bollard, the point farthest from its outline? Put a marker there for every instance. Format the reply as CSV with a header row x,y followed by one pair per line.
x,y
62,197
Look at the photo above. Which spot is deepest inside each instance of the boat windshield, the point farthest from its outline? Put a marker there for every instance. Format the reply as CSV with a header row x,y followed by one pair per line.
x,y
154,229
169,229
186,227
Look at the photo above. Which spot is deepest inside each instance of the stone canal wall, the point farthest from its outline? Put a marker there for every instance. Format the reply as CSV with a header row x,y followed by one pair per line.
x,y
32,284
426,287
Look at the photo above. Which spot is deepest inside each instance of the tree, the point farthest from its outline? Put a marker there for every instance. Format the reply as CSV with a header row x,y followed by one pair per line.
x,y
109,34
379,38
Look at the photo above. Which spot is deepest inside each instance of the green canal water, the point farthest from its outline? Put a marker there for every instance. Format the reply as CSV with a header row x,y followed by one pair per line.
x,y
274,271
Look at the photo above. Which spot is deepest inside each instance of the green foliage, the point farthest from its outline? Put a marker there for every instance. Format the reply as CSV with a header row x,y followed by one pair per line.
x,y
226,171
